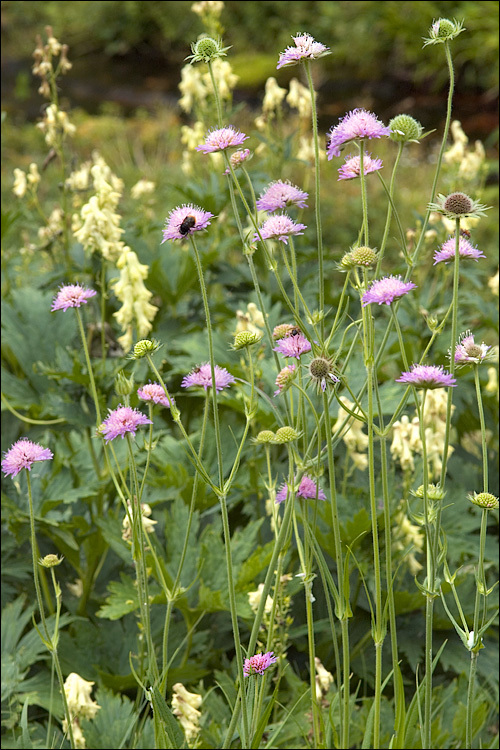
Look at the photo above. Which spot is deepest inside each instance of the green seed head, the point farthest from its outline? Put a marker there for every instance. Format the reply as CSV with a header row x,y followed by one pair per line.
x,y
484,500
245,338
405,128
146,346
266,436
286,435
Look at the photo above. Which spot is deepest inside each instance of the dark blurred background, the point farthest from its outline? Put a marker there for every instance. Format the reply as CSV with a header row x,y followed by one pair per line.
x,y
131,53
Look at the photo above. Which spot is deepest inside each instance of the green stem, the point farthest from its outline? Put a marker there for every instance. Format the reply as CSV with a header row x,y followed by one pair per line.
x,y
212,361
317,192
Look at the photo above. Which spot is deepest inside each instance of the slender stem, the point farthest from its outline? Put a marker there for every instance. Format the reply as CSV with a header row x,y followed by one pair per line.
x,y
389,209
89,367
50,642
211,357
317,192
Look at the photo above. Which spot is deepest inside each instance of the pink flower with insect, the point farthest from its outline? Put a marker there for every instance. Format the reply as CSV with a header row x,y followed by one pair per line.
x,y
259,663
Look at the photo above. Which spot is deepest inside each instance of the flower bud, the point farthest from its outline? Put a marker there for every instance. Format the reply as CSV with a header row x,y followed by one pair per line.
x,y
484,500
265,436
405,128
50,561
286,435
359,256
246,338
207,49
434,492
443,30
124,386
146,346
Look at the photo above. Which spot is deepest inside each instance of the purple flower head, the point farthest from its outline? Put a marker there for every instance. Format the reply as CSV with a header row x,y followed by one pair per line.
x,y
306,48
71,295
308,489
259,663
465,249
427,376
121,420
293,346
467,352
220,139
280,194
184,220
279,227
153,392
237,158
356,125
202,376
352,166
22,455
386,290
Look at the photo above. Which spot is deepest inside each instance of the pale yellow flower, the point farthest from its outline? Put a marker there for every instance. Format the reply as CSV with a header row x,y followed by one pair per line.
x,y
299,98
225,79
20,183
143,187
192,87
185,706
273,95
254,598
148,524
323,679
352,435
252,320
407,534
136,309
493,284
204,7
78,693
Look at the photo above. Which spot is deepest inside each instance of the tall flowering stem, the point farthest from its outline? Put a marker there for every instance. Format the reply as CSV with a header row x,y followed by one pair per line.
x,y
481,590
451,73
317,207
47,640
139,555
378,626
345,612
211,357
389,209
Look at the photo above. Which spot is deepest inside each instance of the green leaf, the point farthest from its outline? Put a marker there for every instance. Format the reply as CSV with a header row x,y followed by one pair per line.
x,y
122,599
113,722
166,725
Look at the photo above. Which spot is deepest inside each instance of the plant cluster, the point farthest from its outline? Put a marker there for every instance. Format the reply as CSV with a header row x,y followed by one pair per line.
x,y
288,513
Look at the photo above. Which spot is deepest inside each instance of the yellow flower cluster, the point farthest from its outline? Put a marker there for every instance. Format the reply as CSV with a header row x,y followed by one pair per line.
x,y
80,705
355,440
147,523
97,227
55,125
185,706
406,442
407,534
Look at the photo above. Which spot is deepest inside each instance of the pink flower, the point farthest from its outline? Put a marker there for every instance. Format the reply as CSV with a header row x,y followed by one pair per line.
x,y
306,48
184,220
238,158
307,489
219,140
386,290
153,392
202,376
467,352
259,663
356,125
120,421
293,346
284,378
22,455
465,250
427,376
279,227
71,295
281,194
352,166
